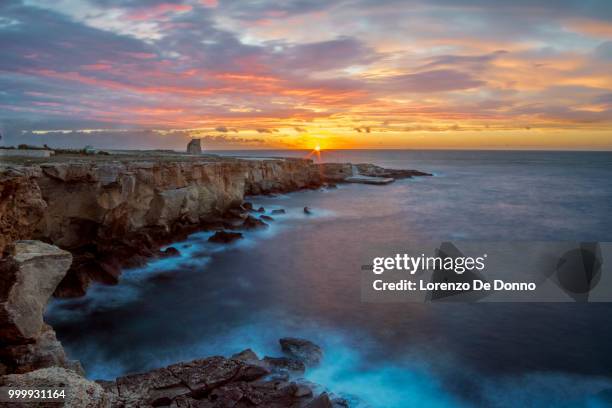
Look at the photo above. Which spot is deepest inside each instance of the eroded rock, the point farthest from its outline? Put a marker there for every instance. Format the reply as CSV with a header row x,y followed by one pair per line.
x,y
28,278
80,392
302,350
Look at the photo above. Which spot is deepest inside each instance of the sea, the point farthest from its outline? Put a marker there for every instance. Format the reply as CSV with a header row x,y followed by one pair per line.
x,y
301,277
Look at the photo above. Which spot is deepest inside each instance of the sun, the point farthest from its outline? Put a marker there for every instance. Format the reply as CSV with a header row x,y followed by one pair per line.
x,y
317,148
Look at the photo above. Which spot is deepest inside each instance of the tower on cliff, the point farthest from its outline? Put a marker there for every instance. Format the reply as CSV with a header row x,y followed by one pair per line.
x,y
194,147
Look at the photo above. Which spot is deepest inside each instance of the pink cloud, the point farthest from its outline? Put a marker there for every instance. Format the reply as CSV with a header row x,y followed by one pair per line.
x,y
157,11
210,3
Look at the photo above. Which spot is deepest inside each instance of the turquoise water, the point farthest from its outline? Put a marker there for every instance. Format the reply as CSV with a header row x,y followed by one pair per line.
x,y
301,278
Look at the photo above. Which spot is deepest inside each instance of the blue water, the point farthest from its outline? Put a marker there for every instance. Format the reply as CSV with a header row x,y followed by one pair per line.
x,y
301,278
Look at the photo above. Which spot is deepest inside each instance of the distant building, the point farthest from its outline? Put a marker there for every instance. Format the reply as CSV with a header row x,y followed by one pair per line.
x,y
194,147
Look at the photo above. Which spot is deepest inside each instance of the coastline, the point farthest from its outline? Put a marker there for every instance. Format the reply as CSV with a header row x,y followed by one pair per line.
x,y
96,210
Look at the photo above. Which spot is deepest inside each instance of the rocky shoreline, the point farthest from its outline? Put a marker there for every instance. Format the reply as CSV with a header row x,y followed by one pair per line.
x,y
70,221
117,211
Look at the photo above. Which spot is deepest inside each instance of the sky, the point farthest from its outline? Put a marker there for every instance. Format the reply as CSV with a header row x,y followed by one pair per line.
x,y
299,73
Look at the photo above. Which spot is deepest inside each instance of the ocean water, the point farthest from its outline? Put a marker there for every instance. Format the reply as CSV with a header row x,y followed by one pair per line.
x,y
301,277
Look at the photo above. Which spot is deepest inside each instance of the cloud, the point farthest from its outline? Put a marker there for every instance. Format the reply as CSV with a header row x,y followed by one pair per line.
x,y
264,66
440,80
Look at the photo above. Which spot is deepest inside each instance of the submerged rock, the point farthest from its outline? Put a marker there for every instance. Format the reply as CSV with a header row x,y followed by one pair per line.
x,y
225,237
278,211
252,223
261,210
302,350
266,218
307,210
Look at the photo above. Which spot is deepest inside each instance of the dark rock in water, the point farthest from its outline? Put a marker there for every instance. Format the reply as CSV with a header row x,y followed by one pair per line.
x,y
225,237
247,206
170,251
340,403
246,355
372,170
266,218
322,401
278,211
252,223
261,210
284,364
331,185
307,210
303,391
302,350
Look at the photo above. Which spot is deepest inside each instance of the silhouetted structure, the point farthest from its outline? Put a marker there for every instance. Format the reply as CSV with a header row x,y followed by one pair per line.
x,y
194,147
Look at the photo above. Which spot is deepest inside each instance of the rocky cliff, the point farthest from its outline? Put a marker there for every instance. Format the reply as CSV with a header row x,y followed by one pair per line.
x,y
117,211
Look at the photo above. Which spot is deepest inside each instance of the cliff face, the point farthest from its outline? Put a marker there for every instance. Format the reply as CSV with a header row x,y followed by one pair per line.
x,y
112,211
115,211
87,201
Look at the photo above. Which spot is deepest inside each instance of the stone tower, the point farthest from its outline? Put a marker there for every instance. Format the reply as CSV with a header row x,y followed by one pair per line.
x,y
194,147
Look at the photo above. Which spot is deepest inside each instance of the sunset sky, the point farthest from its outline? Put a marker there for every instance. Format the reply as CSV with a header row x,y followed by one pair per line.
x,y
294,74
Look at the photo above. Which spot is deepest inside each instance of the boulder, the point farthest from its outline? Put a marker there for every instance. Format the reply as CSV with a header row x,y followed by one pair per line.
x,y
170,251
261,210
28,278
284,364
322,401
225,237
307,211
247,355
80,392
266,218
253,223
278,211
302,350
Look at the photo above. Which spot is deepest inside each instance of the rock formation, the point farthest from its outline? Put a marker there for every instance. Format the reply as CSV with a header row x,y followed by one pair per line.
x,y
117,211
114,213
243,380
28,278
194,146
302,350
80,392
225,237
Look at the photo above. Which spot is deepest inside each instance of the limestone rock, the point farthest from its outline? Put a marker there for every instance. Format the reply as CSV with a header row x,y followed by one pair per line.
x,y
284,364
21,206
28,277
80,393
247,355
